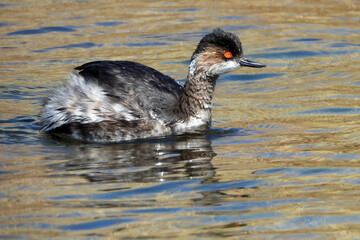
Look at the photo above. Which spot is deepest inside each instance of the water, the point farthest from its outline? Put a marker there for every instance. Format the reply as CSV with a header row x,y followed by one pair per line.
x,y
280,162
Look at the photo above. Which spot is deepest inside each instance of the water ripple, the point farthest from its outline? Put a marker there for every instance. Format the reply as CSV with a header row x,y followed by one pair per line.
x,y
69,46
44,30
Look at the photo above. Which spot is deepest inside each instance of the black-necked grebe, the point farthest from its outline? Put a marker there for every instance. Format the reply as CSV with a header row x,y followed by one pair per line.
x,y
112,101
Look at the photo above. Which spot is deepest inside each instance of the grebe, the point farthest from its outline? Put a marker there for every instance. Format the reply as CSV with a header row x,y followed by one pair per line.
x,y
113,101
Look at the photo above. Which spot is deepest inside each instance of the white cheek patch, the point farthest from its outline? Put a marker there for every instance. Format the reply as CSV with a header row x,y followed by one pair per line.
x,y
215,69
225,67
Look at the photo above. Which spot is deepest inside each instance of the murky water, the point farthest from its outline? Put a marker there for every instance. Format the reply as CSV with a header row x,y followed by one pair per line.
x,y
282,158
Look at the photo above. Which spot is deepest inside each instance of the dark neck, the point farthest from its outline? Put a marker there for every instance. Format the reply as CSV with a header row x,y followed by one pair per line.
x,y
197,95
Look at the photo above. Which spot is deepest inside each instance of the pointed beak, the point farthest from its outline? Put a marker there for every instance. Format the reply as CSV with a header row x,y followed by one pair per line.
x,y
248,63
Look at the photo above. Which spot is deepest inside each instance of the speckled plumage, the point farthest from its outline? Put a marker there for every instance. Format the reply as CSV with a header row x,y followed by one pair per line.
x,y
111,101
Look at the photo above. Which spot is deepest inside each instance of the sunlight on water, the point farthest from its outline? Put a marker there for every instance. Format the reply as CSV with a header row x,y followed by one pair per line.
x,y
280,162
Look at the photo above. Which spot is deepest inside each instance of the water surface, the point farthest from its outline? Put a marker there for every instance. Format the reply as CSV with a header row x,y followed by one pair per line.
x,y
280,162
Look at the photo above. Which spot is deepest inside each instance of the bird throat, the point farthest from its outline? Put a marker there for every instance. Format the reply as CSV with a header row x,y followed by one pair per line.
x,y
196,98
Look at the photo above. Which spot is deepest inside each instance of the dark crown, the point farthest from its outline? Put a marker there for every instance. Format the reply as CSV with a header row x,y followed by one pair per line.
x,y
220,39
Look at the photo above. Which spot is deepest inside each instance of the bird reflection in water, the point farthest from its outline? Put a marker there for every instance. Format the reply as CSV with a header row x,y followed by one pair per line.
x,y
169,159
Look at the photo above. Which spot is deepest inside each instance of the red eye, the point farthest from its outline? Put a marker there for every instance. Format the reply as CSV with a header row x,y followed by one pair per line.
x,y
228,55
